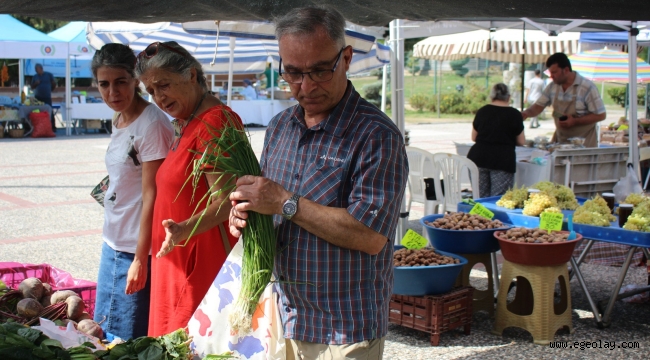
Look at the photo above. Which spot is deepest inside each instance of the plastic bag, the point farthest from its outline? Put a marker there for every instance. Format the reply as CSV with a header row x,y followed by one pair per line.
x,y
69,337
629,184
209,326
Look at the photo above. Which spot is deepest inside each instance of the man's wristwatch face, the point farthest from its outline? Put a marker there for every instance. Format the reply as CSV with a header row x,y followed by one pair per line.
x,y
290,207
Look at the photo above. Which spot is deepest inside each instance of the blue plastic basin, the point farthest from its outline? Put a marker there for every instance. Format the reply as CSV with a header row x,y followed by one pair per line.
x,y
461,241
426,280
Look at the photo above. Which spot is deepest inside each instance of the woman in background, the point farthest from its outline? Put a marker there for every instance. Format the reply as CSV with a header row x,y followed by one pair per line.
x,y
497,129
139,143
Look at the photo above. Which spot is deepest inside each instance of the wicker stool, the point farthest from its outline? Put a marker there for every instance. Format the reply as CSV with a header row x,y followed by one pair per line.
x,y
483,299
534,308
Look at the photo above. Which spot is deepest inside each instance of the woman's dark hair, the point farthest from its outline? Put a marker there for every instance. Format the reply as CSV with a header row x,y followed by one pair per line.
x,y
500,92
178,62
115,56
560,59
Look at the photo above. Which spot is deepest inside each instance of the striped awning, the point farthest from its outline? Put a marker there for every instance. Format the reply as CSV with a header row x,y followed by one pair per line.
x,y
506,45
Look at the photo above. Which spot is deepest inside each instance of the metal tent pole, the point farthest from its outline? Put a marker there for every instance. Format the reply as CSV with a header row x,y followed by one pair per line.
x,y
634,148
397,104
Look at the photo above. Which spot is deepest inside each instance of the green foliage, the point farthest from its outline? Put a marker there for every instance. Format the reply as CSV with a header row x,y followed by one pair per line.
x,y
459,66
372,93
418,101
619,94
412,63
42,25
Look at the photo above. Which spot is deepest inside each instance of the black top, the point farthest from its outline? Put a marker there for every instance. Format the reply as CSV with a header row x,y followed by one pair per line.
x,y
497,129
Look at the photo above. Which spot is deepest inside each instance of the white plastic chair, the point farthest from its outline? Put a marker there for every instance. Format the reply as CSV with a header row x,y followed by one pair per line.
x,y
452,167
421,166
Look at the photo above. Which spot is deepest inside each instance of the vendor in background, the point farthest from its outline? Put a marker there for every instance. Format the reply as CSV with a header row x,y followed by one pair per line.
x,y
267,76
139,143
182,275
497,129
249,91
577,105
43,84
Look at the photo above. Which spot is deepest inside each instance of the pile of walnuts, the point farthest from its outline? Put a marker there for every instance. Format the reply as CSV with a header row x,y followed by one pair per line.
x,y
535,236
421,257
465,221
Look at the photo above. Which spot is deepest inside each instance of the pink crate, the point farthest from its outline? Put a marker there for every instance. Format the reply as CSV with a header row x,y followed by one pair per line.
x,y
12,274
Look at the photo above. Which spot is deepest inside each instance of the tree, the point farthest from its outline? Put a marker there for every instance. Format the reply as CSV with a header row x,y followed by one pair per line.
x,y
42,25
458,66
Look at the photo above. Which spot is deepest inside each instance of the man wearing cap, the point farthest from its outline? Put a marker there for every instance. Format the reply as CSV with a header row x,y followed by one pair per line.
x,y
249,91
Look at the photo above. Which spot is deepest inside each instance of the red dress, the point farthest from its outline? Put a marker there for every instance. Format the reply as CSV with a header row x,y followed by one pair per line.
x,y
180,279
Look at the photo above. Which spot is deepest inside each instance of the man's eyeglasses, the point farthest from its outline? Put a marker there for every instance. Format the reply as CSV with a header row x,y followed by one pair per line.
x,y
296,77
153,49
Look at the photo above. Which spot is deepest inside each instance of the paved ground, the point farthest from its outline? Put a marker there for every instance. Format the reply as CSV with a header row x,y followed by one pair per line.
x,y
48,216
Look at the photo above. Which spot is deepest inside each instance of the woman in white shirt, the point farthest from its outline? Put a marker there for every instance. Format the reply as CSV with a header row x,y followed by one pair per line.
x,y
142,135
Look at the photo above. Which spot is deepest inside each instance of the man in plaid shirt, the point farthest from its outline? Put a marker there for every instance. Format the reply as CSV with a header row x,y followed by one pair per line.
x,y
334,172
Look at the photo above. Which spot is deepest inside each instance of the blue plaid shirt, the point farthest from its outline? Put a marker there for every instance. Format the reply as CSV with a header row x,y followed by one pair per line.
x,y
355,159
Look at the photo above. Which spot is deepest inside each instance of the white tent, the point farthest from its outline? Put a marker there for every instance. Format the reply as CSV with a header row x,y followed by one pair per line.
x,y
507,45
74,34
20,41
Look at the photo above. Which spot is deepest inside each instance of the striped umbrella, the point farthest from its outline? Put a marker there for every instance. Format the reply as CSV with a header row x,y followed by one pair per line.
x,y
608,65
250,55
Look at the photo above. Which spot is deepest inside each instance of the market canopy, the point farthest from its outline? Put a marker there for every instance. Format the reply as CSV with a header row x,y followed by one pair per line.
x,y
506,45
250,55
74,33
367,12
21,41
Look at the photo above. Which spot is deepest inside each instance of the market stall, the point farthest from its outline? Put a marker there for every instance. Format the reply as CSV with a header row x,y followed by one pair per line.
x,y
593,220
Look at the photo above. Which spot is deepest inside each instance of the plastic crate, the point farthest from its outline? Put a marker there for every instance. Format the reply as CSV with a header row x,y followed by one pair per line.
x,y
434,314
12,274
591,170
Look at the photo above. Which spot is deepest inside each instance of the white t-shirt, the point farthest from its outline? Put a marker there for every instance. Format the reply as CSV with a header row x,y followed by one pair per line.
x,y
148,138
536,86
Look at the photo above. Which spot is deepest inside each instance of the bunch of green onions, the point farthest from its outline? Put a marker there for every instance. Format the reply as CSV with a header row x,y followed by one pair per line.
x,y
229,154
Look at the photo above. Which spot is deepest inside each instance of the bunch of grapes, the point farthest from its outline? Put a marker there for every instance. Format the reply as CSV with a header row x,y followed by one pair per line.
x,y
635,199
537,203
640,218
565,197
594,212
552,209
513,198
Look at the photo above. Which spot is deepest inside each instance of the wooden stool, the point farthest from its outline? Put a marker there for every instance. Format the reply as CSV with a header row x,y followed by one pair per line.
x,y
534,308
483,299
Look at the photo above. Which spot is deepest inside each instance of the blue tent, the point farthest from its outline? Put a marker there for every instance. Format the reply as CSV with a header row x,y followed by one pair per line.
x,y
615,37
74,34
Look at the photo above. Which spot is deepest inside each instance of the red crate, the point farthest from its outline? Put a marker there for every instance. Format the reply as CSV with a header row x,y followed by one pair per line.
x,y
12,274
434,314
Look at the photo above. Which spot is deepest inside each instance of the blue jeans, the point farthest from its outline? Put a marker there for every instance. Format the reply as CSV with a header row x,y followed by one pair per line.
x,y
127,316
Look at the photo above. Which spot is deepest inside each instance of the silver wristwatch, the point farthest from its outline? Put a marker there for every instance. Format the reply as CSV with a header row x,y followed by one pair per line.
x,y
290,206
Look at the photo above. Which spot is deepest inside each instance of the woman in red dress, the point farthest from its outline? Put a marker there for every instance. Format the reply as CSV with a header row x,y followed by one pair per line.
x,y
181,275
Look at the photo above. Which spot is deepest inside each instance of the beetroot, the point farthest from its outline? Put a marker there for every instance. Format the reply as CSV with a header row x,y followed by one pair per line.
x,y
29,308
